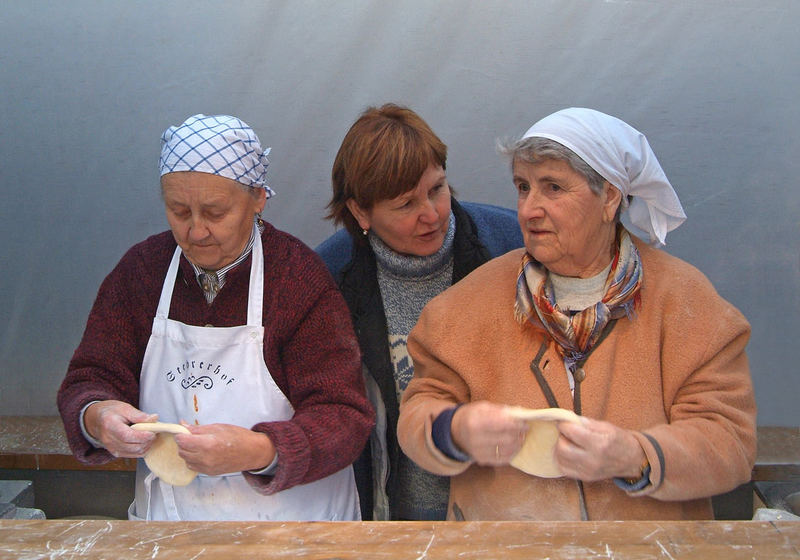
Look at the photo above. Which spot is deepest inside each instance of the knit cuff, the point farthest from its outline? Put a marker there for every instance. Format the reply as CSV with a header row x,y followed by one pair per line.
x,y
634,485
442,438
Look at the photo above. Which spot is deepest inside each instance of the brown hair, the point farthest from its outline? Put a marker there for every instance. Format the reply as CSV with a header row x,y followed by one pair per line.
x,y
383,155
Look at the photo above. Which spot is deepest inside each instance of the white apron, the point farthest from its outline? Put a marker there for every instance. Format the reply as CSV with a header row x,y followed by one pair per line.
x,y
218,375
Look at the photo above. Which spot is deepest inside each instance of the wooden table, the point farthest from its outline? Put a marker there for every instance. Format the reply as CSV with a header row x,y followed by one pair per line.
x,y
39,442
35,448
778,454
132,540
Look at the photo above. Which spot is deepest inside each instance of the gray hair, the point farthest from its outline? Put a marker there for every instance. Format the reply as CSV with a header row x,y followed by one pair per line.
x,y
536,149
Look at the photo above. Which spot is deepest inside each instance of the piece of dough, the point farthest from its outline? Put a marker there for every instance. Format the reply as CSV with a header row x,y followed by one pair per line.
x,y
536,454
163,458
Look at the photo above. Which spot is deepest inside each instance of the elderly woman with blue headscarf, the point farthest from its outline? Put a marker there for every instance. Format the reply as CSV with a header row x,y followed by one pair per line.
x,y
588,375
231,332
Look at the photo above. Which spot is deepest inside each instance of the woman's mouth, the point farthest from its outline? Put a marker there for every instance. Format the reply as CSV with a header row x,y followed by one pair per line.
x,y
429,234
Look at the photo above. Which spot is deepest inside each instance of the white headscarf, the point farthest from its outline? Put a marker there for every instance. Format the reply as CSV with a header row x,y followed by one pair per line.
x,y
218,144
622,155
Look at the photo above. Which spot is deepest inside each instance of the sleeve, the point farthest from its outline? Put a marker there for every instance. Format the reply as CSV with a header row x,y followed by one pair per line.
x,y
709,444
336,251
434,388
319,364
107,362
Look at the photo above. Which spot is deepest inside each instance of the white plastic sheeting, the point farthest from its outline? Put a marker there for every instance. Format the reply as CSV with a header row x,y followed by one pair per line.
x,y
88,87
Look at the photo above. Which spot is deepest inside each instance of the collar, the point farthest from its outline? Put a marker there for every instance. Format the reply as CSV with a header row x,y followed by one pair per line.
x,y
411,266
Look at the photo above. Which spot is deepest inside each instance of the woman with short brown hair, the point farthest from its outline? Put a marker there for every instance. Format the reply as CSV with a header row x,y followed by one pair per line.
x,y
406,240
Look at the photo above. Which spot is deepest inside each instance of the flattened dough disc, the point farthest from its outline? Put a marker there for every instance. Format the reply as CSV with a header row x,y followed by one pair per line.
x,y
536,454
163,458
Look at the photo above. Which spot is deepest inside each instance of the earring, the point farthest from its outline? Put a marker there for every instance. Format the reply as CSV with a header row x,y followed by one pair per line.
x,y
364,231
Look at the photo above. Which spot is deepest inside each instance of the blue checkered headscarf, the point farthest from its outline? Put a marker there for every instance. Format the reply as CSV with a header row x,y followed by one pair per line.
x,y
218,144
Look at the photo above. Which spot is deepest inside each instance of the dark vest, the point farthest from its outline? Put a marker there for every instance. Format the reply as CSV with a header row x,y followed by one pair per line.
x,y
358,282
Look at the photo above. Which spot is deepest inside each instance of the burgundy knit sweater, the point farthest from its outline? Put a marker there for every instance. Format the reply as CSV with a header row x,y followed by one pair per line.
x,y
309,348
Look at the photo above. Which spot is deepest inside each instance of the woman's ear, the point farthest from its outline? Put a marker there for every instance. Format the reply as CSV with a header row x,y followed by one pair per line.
x,y
361,215
612,202
261,199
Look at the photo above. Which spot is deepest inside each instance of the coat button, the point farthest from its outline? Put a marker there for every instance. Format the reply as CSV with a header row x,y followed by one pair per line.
x,y
580,375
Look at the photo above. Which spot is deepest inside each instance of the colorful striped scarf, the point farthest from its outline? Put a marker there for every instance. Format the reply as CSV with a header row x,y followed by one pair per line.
x,y
576,334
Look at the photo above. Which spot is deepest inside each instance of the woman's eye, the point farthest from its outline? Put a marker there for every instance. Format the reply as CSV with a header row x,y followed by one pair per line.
x,y
554,188
523,187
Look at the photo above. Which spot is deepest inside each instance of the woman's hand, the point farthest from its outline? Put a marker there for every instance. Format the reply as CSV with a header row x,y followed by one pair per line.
x,y
595,450
489,435
109,422
216,449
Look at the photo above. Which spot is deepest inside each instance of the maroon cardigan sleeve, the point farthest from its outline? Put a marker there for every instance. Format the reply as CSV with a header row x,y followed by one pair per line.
x,y
107,362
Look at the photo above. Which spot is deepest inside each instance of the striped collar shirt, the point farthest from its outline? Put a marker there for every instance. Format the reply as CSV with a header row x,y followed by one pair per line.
x,y
212,281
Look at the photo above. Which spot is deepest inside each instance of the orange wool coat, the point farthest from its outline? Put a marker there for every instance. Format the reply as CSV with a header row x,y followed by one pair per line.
x,y
676,371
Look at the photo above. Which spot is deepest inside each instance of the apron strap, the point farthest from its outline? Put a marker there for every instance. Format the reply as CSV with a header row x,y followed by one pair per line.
x,y
169,284
167,497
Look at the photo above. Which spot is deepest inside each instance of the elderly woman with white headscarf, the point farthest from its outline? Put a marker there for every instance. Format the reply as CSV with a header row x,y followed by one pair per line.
x,y
647,359
230,332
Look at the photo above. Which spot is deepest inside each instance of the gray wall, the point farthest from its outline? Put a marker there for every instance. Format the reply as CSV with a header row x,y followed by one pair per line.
x,y
88,87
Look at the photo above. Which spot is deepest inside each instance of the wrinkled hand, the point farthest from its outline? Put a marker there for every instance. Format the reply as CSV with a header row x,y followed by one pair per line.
x,y
596,450
489,435
109,422
216,449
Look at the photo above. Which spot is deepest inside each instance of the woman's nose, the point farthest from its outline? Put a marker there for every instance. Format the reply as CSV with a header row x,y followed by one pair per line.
x,y
530,206
197,229
429,212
